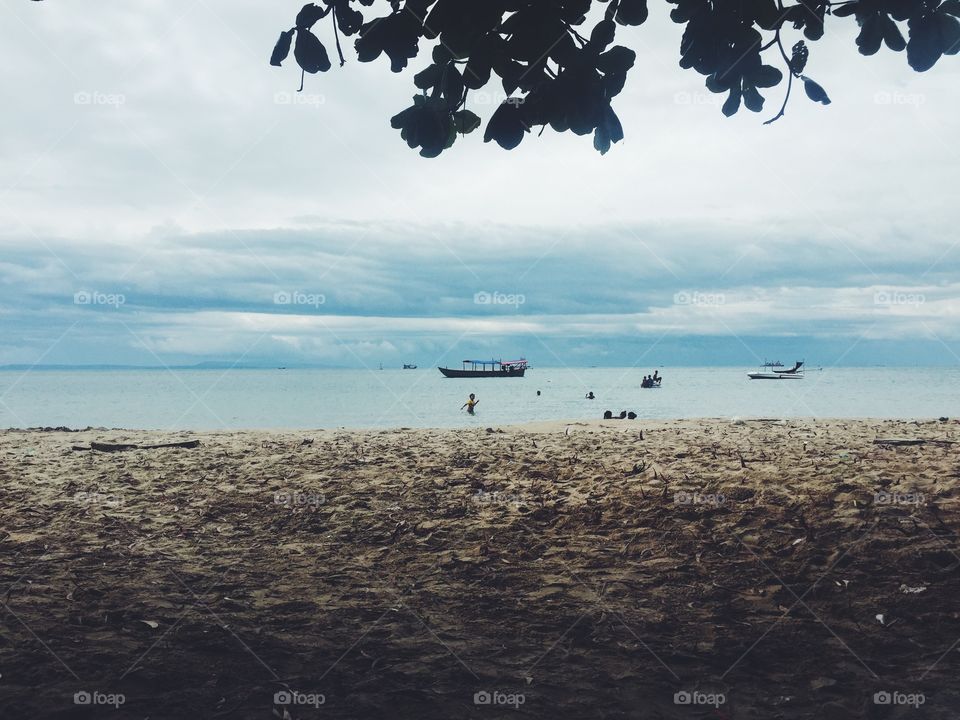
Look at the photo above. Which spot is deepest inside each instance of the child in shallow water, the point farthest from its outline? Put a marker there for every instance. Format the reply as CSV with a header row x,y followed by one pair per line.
x,y
470,404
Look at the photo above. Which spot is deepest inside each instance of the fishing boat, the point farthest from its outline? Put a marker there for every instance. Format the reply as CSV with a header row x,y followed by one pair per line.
x,y
487,368
767,372
409,367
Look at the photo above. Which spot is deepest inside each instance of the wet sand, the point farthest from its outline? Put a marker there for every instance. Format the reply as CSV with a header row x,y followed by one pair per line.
x,y
758,569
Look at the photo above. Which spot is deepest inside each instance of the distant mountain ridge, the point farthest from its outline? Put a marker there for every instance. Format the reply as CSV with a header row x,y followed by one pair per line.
x,y
208,365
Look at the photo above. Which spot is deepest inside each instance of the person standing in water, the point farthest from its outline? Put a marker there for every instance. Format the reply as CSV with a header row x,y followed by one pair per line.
x,y
470,404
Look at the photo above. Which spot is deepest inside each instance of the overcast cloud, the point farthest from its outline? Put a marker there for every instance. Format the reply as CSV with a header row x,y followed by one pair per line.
x,y
166,197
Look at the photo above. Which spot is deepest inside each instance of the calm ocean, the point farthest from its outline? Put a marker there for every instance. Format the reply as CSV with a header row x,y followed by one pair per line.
x,y
299,398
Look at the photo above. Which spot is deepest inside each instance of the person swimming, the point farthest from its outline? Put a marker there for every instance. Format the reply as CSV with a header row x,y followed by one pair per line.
x,y
470,404
591,396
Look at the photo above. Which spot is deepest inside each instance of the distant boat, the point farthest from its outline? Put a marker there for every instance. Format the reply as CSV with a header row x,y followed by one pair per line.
x,y
409,367
766,372
487,368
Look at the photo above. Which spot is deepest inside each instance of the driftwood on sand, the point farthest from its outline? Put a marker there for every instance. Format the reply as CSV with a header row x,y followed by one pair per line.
x,y
911,441
120,447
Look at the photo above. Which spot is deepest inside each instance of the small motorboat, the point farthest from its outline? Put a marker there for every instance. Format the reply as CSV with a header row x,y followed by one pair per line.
x,y
409,367
767,371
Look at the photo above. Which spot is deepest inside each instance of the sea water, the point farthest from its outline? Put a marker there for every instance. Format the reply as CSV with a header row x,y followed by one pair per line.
x,y
320,398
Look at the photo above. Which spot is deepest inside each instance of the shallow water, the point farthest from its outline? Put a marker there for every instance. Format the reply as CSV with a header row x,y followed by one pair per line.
x,y
299,398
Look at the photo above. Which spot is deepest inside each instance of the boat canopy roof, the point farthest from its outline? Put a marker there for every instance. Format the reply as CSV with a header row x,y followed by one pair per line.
x,y
792,370
496,362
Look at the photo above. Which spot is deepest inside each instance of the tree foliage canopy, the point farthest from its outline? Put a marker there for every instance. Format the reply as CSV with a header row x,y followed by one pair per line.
x,y
556,72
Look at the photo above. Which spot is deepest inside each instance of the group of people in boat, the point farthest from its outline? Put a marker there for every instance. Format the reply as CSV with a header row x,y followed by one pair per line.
x,y
650,381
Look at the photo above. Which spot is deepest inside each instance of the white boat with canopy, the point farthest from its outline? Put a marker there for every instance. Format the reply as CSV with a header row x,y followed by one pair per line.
x,y
768,371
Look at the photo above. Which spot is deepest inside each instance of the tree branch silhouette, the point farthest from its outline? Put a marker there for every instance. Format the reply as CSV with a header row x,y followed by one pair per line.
x,y
551,74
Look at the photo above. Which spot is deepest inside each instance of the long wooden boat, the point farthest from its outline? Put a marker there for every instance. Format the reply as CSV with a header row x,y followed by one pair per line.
x,y
487,368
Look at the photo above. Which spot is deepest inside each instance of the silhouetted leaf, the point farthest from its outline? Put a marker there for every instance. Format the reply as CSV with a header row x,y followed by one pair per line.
x,y
632,12
349,20
506,127
466,121
609,130
370,43
310,53
603,34
401,119
732,103
845,10
814,91
798,58
617,59
892,35
766,76
716,84
428,77
752,99
871,35
309,14
282,48
924,47
452,86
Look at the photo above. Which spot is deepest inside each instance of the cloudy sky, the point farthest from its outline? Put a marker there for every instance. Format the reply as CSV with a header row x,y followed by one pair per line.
x,y
167,198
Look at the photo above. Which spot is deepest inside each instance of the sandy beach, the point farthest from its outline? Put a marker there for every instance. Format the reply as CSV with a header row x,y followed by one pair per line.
x,y
755,569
